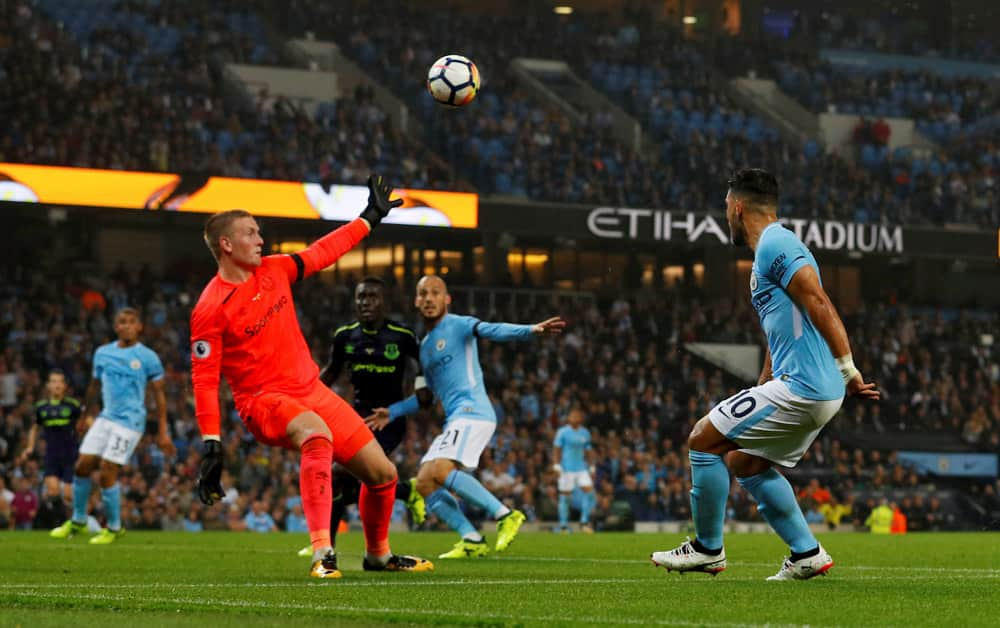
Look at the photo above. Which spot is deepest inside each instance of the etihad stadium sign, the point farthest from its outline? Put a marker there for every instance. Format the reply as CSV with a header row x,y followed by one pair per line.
x,y
623,223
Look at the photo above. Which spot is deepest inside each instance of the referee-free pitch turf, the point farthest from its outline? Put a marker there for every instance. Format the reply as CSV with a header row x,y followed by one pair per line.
x,y
248,580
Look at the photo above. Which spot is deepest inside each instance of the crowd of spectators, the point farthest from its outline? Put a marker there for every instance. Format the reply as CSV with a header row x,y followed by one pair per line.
x,y
941,106
622,359
510,143
137,86
931,29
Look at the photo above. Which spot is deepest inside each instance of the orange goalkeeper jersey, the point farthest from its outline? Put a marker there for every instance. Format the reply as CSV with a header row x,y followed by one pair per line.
x,y
249,333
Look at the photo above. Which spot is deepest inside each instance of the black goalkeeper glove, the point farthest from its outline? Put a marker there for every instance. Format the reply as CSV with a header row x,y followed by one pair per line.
x,y
210,473
379,204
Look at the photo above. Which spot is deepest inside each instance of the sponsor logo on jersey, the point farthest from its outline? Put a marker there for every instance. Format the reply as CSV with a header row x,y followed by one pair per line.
x,y
259,326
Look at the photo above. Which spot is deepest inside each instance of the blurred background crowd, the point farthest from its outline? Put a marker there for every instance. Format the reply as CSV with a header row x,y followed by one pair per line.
x,y
623,359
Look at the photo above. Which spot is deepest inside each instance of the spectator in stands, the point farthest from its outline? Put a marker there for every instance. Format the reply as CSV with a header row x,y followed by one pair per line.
x,y
24,505
258,519
879,521
881,132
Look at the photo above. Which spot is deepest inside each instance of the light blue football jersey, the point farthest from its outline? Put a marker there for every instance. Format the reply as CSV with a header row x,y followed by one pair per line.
x,y
124,373
449,357
574,444
800,356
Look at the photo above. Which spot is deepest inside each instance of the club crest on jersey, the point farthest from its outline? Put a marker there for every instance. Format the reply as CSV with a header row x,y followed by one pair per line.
x,y
753,281
201,349
391,351
266,283
349,349
135,365
440,345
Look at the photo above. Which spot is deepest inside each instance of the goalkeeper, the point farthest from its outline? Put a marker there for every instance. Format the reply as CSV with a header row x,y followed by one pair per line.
x,y
244,327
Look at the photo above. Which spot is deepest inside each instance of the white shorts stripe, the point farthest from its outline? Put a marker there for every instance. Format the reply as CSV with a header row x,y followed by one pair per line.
x,y
772,422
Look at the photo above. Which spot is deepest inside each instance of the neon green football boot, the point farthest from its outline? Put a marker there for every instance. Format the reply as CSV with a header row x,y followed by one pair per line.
x,y
68,529
106,537
415,504
467,549
507,527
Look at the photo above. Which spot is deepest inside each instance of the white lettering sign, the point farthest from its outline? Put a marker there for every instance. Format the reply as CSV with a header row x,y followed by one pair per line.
x,y
623,223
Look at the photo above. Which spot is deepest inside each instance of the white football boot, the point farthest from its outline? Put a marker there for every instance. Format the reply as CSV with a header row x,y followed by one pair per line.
x,y
805,568
687,558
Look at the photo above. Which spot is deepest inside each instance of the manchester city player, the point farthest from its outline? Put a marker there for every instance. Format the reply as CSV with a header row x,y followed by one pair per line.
x,y
806,368
57,416
449,356
123,370
572,446
377,352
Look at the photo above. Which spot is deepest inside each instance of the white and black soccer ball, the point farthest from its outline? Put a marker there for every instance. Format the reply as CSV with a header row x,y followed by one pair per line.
x,y
453,81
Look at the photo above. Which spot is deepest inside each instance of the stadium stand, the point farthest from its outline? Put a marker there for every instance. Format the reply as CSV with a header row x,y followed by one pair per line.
x,y
137,86
642,396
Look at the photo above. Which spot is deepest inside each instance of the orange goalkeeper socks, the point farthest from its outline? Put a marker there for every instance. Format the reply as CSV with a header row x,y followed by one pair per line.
x,y
316,489
375,507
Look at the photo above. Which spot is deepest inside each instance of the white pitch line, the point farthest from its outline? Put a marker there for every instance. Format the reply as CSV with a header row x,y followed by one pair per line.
x,y
463,582
738,563
644,560
406,610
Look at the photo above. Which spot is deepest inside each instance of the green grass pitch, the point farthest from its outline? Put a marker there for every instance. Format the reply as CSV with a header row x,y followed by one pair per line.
x,y
249,580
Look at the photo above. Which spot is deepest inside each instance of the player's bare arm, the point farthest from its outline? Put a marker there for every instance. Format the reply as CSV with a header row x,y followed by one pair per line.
x,y
163,440
765,372
30,448
92,403
331,372
806,291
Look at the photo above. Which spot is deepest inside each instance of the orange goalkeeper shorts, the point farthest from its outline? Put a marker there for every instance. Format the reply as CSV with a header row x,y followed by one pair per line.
x,y
269,413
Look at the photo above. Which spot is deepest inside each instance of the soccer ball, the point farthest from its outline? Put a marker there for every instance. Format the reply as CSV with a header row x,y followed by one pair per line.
x,y
453,80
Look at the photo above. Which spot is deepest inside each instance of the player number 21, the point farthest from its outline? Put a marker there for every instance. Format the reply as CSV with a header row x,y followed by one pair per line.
x,y
451,435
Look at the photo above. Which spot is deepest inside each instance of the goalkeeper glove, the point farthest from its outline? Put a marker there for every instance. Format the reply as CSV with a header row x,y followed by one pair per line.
x,y
379,204
210,473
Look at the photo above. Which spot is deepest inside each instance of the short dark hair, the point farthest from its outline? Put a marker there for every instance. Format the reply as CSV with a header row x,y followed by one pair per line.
x,y
756,185
129,311
375,281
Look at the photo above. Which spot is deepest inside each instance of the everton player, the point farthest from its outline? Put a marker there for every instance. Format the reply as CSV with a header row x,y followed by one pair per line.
x,y
244,328
57,416
377,352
